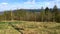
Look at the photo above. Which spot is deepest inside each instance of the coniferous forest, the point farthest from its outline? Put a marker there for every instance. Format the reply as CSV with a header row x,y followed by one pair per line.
x,y
39,15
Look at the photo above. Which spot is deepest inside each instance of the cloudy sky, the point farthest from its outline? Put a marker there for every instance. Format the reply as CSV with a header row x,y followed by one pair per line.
x,y
27,4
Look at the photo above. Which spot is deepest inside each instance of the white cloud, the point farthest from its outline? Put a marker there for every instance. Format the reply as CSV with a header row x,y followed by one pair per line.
x,y
3,6
57,0
4,3
30,2
6,6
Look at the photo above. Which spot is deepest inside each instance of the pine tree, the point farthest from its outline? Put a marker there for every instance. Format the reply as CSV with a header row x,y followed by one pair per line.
x,y
55,13
47,14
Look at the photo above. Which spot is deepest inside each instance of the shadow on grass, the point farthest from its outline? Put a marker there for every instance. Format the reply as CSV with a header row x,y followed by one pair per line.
x,y
16,28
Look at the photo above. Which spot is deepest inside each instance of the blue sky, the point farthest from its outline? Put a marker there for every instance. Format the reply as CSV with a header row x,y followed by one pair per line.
x,y
27,4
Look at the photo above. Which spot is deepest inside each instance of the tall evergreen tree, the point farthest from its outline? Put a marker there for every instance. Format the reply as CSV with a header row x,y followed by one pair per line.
x,y
46,10
55,13
46,13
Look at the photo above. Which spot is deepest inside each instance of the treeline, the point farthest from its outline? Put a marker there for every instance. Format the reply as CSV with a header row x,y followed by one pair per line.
x,y
42,15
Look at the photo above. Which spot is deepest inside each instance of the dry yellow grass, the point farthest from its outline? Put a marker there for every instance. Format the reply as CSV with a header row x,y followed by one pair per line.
x,y
31,28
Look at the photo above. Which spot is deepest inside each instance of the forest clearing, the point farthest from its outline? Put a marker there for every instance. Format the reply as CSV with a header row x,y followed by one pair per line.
x,y
30,27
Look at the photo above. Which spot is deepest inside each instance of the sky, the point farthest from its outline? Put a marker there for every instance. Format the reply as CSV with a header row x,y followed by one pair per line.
x,y
27,4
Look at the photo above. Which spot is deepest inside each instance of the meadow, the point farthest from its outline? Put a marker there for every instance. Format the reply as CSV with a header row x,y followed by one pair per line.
x,y
30,27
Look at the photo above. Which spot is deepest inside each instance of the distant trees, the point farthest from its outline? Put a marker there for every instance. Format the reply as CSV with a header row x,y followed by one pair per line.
x,y
56,14
42,15
1,17
57,18
46,14
5,15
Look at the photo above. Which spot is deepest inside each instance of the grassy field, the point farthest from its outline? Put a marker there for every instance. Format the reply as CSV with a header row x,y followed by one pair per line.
x,y
30,27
